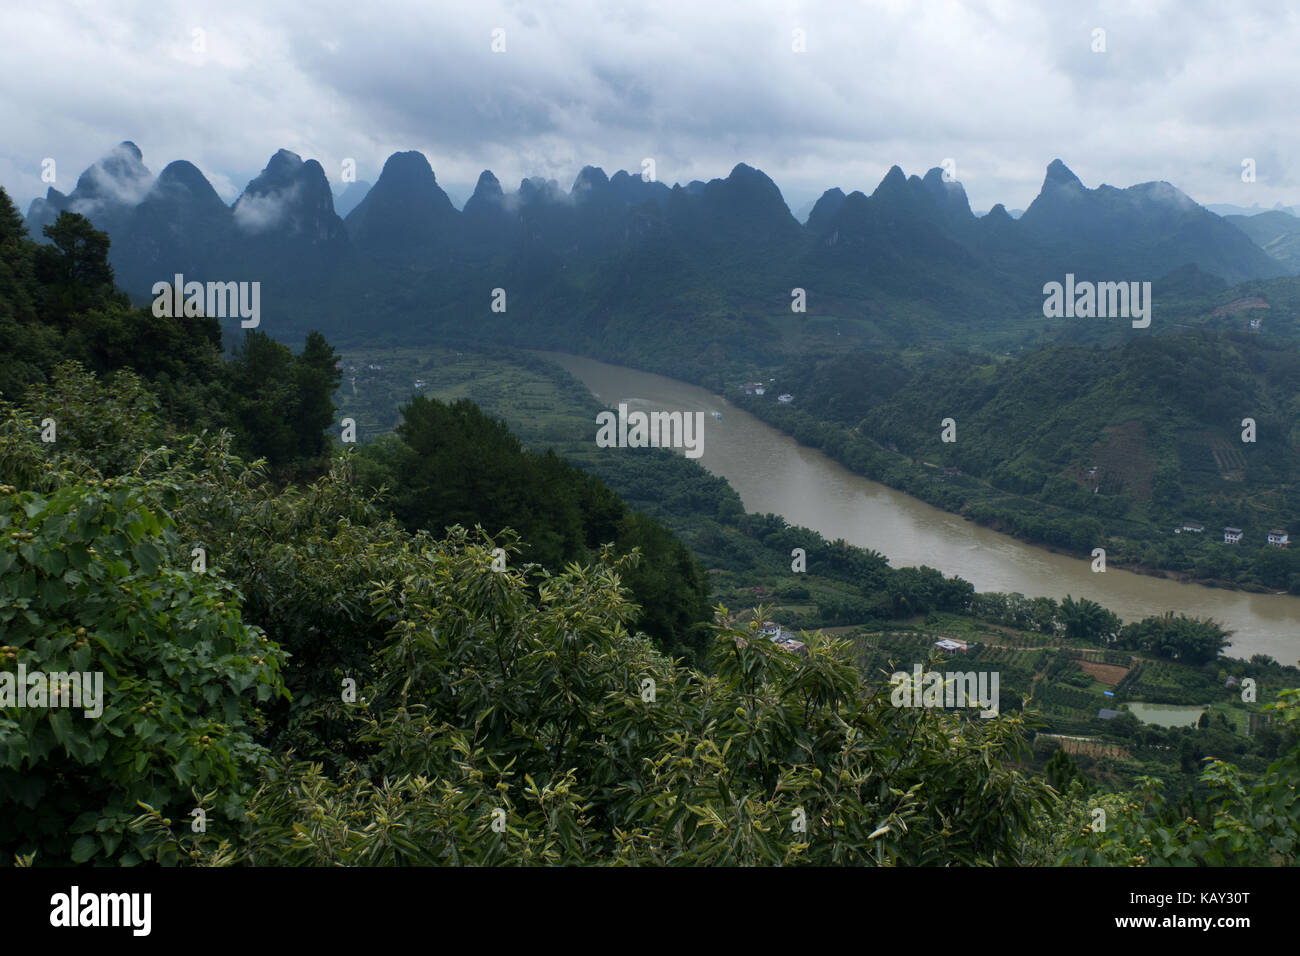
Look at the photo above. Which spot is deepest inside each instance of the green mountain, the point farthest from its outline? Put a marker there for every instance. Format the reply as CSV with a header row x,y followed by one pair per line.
x,y
1142,232
1276,232
405,215
711,267
1083,446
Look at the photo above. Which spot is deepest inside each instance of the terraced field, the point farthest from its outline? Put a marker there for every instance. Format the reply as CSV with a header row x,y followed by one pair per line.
x,y
1123,460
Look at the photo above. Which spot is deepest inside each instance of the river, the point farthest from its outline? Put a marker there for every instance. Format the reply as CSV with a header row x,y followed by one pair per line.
x,y
773,473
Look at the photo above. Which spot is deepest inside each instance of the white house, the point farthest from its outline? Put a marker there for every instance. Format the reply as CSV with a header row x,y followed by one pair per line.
x,y
785,399
1231,535
1277,539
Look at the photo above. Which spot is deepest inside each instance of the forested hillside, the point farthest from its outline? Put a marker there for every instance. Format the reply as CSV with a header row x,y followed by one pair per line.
x,y
58,304
480,697
1082,446
1276,232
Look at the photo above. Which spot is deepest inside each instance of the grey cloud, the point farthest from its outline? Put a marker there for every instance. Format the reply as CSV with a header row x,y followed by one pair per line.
x,y
1183,93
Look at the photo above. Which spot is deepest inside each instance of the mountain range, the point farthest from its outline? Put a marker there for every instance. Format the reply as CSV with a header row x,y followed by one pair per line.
x,y
709,265
1277,232
1228,209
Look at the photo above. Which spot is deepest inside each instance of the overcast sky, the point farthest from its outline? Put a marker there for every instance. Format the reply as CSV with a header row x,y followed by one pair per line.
x,y
1184,92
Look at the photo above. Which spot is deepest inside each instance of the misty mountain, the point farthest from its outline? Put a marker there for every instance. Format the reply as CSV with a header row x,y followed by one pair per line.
x,y
1227,209
708,265
746,207
106,193
804,211
406,214
1276,232
287,234
1141,232
181,221
350,196
486,215
909,234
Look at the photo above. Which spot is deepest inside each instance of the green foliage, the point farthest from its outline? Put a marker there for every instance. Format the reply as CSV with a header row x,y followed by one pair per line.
x,y
1061,771
74,265
87,584
489,697
1240,823
451,464
1191,640
922,590
519,690
58,304
1088,621
280,404
95,430
518,716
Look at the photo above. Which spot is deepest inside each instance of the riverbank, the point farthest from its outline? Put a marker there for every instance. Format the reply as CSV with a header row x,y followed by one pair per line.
x,y
1018,516
774,473
1037,523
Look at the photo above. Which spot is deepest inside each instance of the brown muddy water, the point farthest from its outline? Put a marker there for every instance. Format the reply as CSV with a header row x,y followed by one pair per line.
x,y
773,473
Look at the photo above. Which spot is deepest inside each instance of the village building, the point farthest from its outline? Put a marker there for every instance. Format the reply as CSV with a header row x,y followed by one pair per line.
x,y
793,646
1231,535
782,638
1277,539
